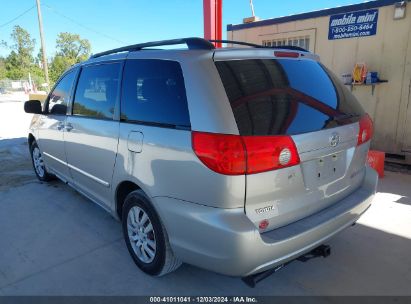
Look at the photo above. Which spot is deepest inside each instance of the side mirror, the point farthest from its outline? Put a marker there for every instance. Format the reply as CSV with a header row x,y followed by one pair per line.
x,y
33,106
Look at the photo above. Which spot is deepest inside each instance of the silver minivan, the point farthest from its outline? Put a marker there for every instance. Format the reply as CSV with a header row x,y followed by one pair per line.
x,y
236,160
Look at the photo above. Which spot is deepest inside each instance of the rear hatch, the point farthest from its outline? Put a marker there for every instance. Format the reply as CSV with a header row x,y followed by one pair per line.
x,y
294,96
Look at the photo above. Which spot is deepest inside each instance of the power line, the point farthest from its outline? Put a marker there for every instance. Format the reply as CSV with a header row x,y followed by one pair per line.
x,y
82,25
15,18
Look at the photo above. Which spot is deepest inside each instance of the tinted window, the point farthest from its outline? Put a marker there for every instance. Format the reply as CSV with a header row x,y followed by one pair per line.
x,y
154,92
285,96
97,91
59,97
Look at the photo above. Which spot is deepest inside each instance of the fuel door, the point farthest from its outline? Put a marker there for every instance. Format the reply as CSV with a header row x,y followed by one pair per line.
x,y
135,141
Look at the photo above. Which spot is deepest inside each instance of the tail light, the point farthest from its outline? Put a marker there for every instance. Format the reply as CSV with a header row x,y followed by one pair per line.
x,y
366,130
266,153
221,153
237,155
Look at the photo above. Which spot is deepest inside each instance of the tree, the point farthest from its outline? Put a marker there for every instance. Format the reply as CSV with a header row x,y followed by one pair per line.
x,y
58,65
71,49
2,68
13,68
72,46
20,61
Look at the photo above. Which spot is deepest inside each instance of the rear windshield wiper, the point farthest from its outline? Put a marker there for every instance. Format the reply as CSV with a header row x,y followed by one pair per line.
x,y
345,116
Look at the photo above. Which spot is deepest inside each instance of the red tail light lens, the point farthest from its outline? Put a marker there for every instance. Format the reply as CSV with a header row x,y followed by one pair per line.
x,y
221,153
366,130
266,153
286,54
237,155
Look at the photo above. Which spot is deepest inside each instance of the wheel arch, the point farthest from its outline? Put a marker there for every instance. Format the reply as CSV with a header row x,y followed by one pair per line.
x,y
30,139
123,189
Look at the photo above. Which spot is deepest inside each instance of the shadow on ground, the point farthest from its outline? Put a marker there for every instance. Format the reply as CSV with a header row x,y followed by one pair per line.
x,y
15,163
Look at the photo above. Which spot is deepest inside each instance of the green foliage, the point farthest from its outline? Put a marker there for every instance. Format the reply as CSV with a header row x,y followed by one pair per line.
x,y
72,46
2,68
58,65
37,75
13,68
20,61
71,49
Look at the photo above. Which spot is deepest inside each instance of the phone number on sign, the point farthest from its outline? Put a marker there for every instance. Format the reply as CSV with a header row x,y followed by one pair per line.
x,y
352,28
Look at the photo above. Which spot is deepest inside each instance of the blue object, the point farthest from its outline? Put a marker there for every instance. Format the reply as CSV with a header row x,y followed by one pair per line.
x,y
353,25
321,13
372,77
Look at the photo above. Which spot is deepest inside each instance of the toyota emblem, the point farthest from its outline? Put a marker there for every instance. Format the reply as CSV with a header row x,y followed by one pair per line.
x,y
334,139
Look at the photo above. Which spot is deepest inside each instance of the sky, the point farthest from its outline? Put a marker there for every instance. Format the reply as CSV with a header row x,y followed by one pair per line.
x,y
109,24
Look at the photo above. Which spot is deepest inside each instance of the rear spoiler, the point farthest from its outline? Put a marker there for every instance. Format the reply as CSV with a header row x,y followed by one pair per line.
x,y
259,53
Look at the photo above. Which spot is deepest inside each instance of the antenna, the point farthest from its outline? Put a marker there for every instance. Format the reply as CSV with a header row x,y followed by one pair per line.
x,y
252,8
253,18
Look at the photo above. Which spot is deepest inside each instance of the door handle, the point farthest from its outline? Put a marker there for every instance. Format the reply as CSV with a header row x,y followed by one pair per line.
x,y
68,127
60,126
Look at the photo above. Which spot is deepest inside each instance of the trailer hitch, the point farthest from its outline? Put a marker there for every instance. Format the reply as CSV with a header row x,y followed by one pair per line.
x,y
320,251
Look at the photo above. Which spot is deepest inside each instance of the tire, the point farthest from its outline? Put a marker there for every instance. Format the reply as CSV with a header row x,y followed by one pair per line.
x,y
149,248
38,163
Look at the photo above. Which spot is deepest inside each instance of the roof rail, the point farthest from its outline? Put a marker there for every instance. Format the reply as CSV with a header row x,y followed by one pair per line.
x,y
193,43
288,47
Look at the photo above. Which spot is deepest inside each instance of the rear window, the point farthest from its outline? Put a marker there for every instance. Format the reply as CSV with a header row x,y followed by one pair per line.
x,y
286,96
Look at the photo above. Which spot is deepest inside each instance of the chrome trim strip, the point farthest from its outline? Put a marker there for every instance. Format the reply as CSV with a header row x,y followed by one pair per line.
x,y
55,158
96,179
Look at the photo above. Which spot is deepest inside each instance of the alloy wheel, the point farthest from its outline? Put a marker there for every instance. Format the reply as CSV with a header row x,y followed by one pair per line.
x,y
38,162
141,234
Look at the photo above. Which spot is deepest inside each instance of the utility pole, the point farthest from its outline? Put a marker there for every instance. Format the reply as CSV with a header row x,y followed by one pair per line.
x,y
43,46
213,20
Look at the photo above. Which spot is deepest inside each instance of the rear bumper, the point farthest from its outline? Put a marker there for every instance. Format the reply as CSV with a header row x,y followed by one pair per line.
x,y
227,242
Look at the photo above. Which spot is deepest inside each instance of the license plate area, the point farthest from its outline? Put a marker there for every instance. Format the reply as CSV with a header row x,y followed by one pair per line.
x,y
325,169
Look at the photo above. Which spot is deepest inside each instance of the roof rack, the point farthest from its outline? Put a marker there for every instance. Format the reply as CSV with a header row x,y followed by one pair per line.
x,y
288,47
193,43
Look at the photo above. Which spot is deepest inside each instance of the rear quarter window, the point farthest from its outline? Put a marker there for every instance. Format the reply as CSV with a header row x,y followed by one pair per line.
x,y
154,93
285,96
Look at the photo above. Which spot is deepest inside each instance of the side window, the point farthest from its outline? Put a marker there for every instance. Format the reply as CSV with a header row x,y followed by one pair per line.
x,y
59,97
154,92
97,91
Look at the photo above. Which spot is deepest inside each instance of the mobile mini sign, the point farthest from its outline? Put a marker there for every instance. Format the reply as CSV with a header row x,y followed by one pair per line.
x,y
354,24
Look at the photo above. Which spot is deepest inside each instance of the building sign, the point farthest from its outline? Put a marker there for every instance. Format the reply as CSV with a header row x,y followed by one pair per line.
x,y
354,24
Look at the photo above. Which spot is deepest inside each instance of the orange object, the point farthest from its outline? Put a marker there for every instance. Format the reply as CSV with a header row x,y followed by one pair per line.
x,y
359,73
375,160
